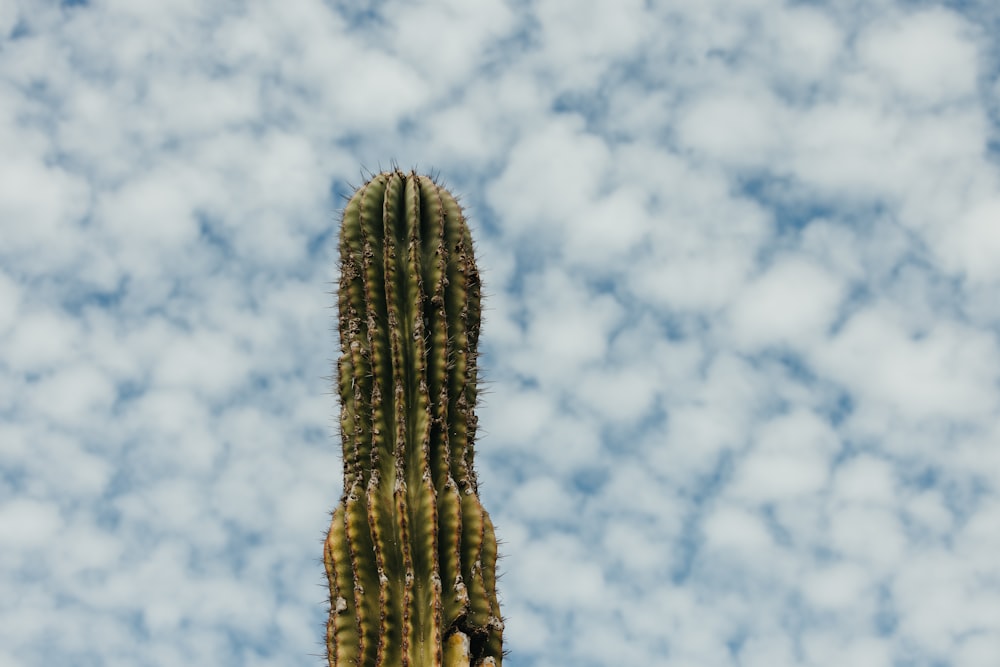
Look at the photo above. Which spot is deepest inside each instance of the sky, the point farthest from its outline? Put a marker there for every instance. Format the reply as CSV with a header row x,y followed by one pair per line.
x,y
741,340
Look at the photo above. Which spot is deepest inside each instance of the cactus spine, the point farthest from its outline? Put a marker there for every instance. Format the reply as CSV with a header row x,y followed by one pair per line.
x,y
411,553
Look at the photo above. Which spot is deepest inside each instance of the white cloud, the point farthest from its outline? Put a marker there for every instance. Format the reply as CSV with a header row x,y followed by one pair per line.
x,y
206,361
636,544
871,535
737,531
176,427
794,300
559,572
927,55
40,203
930,513
379,90
42,339
846,146
978,650
542,498
10,302
620,395
944,372
439,37
708,422
702,250
150,213
526,629
762,651
865,479
864,524
568,328
551,175
517,416
578,44
28,524
807,42
739,347
9,16
603,235
791,459
72,395
937,598
828,649
634,490
841,586
973,242
457,134
741,127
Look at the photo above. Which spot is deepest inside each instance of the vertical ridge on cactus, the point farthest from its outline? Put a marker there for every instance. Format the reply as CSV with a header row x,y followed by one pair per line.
x,y
411,553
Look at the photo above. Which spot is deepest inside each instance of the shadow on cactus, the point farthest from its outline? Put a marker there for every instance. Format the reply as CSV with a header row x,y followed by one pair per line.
x,y
411,553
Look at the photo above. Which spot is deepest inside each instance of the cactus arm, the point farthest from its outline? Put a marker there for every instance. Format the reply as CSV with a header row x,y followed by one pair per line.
x,y
411,553
341,629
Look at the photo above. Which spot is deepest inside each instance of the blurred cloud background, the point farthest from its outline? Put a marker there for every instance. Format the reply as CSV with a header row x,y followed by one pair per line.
x,y
741,337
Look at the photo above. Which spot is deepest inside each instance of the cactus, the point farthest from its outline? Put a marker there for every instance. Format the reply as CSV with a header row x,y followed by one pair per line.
x,y
411,553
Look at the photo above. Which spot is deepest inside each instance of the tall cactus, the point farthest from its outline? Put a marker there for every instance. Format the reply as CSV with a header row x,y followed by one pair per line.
x,y
411,553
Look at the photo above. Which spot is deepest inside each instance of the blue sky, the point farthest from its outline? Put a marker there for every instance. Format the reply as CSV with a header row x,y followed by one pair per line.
x,y
740,346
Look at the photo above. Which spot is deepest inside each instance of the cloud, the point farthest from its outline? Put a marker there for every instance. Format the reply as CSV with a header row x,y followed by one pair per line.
x,y
898,50
29,524
972,242
549,179
791,459
739,353
736,127
943,372
794,301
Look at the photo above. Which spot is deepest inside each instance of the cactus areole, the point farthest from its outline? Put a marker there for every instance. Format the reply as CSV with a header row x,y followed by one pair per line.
x,y
411,553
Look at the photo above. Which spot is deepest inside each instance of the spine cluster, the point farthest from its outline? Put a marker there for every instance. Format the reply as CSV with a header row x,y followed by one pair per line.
x,y
411,553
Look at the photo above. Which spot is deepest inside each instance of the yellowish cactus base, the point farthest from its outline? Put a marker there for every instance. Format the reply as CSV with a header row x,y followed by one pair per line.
x,y
457,650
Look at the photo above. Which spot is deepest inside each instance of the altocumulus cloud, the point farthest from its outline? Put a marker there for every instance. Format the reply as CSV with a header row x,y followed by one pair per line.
x,y
741,339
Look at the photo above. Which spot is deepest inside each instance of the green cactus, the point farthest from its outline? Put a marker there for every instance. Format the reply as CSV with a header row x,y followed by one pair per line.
x,y
411,553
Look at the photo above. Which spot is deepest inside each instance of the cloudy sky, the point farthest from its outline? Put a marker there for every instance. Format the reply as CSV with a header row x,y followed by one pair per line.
x,y
740,345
